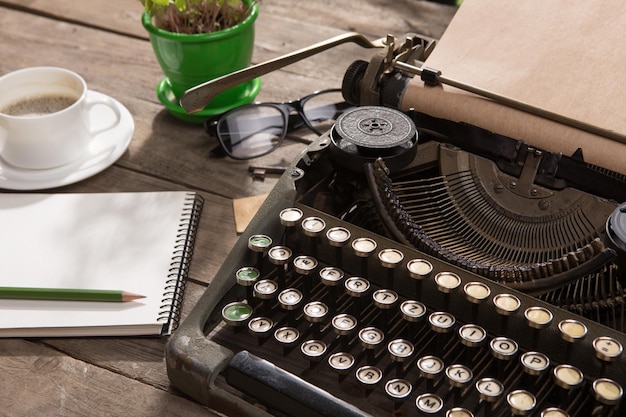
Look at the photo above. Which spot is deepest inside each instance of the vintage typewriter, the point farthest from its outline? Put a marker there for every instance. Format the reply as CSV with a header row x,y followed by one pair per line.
x,y
407,265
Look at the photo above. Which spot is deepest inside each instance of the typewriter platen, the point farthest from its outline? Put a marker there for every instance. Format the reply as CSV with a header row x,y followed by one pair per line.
x,y
410,266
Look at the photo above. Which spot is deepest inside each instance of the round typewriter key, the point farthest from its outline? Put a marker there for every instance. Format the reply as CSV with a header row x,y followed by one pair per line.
x,y
534,363
429,403
304,264
419,268
341,362
472,335
371,337
260,326
572,330
430,366
338,236
538,317
357,286
607,391
476,292
313,226
506,304
265,289
503,348
290,298
554,412
459,412
400,350
287,336
447,281
331,276
398,389
607,348
521,402
313,349
412,311
489,389
315,311
290,216
279,255
385,299
247,276
369,375
363,246
567,376
441,322
236,314
390,258
459,376
344,324
258,243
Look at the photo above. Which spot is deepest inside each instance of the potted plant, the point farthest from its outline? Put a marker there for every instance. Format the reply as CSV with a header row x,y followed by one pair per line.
x,y
198,40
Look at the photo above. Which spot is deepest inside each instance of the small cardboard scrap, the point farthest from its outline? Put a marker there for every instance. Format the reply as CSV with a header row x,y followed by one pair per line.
x,y
245,208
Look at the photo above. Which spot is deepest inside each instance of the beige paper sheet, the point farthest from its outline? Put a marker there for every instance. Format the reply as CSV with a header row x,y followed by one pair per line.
x,y
567,58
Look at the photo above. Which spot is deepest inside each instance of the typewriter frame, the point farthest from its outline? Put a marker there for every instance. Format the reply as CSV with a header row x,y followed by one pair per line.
x,y
194,362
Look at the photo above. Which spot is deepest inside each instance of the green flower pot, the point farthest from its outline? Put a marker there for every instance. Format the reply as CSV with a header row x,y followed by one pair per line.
x,y
189,60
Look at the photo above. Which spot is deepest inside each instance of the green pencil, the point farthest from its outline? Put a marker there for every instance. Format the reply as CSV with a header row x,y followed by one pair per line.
x,y
67,294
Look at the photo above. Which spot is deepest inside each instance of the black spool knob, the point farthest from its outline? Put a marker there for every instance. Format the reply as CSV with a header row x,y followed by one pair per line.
x,y
364,134
616,230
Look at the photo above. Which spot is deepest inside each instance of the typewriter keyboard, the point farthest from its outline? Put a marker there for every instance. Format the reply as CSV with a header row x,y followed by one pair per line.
x,y
356,324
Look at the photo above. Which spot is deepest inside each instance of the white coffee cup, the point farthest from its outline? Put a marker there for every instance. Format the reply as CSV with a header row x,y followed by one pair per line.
x,y
45,117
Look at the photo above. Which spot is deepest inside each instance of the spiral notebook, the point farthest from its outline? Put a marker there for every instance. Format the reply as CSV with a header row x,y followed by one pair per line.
x,y
139,242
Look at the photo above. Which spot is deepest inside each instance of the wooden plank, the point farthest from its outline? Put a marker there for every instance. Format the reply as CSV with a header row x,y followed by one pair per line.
x,y
37,380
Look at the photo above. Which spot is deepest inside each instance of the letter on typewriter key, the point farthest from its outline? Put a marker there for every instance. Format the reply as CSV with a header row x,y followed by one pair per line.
x,y
341,362
489,389
398,389
369,376
429,403
535,363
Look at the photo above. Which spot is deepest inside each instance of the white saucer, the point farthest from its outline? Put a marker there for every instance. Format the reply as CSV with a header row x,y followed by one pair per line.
x,y
104,150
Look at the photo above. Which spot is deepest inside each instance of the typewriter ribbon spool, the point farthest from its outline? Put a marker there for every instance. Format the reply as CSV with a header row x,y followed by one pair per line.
x,y
367,133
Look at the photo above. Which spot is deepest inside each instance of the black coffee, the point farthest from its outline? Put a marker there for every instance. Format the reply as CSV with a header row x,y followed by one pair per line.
x,y
38,106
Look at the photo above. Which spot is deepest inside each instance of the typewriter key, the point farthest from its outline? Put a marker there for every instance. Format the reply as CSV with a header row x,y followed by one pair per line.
x,y
429,403
260,327
476,293
341,362
236,314
459,412
607,391
313,350
521,402
390,259
459,376
534,363
363,247
338,237
607,350
419,269
398,389
554,412
369,376
489,389
506,305
370,338
247,277
412,311
399,351
430,367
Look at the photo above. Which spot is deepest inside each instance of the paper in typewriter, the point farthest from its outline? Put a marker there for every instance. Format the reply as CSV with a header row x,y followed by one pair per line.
x,y
567,58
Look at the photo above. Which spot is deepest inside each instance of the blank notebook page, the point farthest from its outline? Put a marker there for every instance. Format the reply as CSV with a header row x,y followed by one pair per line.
x,y
117,241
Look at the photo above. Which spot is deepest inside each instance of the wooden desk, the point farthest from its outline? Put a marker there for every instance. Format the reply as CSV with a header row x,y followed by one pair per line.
x,y
104,41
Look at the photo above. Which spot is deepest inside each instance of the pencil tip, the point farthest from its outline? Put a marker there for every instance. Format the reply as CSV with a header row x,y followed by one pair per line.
x,y
129,296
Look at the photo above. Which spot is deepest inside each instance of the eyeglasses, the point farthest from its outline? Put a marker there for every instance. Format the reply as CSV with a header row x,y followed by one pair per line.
x,y
257,129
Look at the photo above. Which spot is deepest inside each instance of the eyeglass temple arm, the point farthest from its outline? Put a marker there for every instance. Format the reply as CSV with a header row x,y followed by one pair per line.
x,y
196,98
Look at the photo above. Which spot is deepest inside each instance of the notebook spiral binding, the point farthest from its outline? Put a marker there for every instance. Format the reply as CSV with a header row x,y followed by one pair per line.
x,y
171,303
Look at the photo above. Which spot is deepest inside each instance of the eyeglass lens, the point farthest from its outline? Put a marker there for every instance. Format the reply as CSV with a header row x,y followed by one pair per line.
x,y
255,130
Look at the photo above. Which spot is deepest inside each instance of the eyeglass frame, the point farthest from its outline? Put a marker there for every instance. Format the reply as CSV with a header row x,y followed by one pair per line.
x,y
285,108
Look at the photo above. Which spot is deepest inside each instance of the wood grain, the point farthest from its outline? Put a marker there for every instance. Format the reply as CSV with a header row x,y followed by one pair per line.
x,y
104,41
